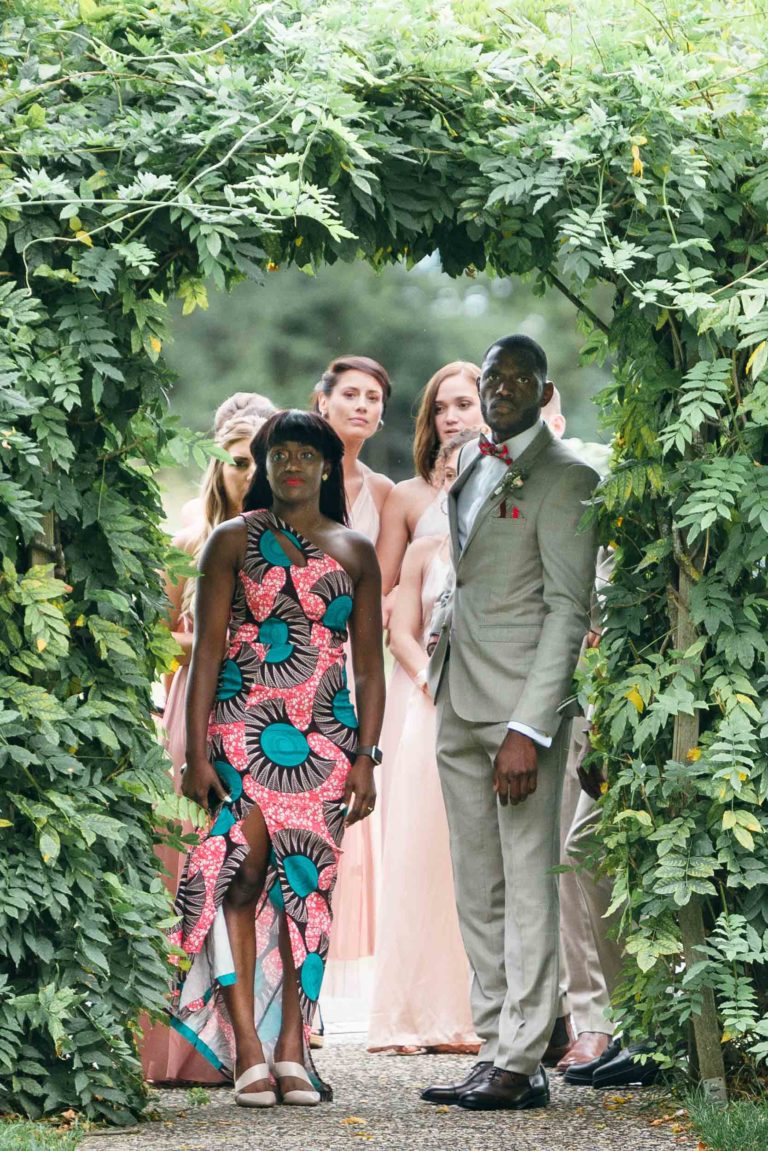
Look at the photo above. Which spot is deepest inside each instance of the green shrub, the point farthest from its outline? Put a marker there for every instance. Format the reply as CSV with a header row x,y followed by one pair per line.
x,y
35,1137
741,1126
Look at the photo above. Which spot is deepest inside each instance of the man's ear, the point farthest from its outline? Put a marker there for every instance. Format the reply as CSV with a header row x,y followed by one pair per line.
x,y
547,392
557,425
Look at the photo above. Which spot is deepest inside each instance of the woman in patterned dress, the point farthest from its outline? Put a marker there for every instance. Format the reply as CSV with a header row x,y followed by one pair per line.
x,y
272,752
165,1057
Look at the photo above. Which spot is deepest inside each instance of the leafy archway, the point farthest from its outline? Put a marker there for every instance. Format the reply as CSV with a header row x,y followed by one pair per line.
x,y
149,151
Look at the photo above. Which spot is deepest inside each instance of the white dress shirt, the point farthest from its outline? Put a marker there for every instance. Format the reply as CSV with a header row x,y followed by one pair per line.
x,y
488,471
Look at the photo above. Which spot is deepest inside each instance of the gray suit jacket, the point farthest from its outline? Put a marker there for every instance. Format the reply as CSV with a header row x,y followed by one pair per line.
x,y
513,623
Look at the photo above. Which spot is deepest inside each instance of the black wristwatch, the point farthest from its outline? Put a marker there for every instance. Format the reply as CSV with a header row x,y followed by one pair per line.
x,y
373,752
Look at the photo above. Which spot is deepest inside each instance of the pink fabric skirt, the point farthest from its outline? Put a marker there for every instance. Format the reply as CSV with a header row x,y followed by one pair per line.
x,y
422,977
166,1057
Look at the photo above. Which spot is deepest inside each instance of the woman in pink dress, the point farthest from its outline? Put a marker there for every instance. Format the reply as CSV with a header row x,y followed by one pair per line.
x,y
449,403
165,1056
421,986
246,406
352,396
278,757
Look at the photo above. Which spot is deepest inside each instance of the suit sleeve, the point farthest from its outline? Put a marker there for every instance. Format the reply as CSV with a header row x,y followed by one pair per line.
x,y
568,568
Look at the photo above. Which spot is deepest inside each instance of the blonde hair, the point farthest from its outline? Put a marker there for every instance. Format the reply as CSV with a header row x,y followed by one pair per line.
x,y
213,497
426,443
245,405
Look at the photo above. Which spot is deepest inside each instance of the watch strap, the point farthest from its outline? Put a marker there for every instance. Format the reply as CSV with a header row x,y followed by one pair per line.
x,y
372,751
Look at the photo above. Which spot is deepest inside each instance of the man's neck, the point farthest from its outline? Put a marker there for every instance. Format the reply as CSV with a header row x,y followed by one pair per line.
x,y
501,436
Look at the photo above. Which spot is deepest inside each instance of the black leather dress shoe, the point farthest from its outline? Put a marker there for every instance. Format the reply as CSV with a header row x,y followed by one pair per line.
x,y
450,1092
507,1091
624,1069
581,1074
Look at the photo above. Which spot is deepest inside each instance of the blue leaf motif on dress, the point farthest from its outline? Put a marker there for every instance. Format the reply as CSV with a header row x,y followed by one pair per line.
x,y
338,612
230,680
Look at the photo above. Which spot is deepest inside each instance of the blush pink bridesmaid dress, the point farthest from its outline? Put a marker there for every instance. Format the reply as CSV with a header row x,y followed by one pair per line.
x,y
349,968
166,1057
422,977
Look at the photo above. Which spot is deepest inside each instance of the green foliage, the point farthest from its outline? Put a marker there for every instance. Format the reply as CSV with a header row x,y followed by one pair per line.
x,y
741,1126
147,150
35,1137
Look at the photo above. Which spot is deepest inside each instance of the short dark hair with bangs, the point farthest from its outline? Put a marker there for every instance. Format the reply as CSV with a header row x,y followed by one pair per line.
x,y
301,428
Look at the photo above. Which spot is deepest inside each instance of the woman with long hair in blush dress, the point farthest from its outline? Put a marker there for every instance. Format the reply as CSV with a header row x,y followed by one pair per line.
x,y
449,403
421,986
165,1056
246,406
352,395
279,759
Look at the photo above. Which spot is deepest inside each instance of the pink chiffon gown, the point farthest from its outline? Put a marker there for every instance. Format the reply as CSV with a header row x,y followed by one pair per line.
x,y
166,1057
349,967
432,522
422,977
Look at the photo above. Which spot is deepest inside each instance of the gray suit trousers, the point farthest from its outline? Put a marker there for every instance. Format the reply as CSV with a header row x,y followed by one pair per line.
x,y
596,891
506,890
583,897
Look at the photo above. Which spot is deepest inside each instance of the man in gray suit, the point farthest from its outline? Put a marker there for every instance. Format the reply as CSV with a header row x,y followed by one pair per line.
x,y
507,641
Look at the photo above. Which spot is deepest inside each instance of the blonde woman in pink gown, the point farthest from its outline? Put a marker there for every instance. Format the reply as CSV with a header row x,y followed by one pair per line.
x,y
352,395
449,403
421,983
166,1057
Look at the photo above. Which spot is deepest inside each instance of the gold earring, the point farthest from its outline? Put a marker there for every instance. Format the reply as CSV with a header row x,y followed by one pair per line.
x,y
325,475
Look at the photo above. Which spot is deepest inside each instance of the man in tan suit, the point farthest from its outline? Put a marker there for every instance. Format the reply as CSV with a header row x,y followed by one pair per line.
x,y
509,638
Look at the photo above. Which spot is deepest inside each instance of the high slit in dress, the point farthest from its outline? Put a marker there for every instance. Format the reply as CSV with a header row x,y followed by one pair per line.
x,y
282,735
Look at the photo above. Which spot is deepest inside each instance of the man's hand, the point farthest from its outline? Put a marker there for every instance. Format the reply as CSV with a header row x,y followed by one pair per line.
x,y
591,778
515,769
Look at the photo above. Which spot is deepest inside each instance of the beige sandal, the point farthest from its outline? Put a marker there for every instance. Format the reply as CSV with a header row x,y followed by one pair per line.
x,y
297,1097
245,1098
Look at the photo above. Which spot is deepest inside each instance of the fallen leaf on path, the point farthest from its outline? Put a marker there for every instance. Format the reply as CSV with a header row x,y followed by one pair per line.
x,y
351,1119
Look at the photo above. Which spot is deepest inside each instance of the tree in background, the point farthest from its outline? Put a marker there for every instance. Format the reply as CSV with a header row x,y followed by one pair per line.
x,y
277,337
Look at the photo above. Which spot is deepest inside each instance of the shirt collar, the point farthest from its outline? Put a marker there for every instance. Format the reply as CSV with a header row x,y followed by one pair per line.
x,y
516,445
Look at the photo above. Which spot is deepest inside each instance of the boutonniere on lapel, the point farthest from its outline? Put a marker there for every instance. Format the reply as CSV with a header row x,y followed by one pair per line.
x,y
509,487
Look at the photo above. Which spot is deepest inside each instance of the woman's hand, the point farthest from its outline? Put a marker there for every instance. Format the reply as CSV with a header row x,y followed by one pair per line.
x,y
198,780
360,783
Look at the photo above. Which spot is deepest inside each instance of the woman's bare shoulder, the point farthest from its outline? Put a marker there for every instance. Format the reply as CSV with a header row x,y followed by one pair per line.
x,y
403,493
353,550
380,486
228,537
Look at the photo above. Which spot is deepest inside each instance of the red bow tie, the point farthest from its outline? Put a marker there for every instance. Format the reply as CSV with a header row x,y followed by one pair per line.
x,y
489,448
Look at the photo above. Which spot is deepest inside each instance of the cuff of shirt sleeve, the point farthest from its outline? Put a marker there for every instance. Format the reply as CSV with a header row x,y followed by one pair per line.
x,y
531,732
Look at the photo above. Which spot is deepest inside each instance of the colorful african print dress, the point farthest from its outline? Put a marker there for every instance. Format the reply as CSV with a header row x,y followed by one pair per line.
x,y
281,734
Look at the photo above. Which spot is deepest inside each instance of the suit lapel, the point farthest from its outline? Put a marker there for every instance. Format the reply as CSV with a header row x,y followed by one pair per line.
x,y
524,462
453,494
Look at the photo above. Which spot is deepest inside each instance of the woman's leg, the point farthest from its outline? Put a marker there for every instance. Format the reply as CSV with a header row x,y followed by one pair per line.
x,y
240,915
290,1043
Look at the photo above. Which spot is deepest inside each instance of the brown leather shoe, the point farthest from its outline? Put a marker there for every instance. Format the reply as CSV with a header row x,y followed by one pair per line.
x,y
507,1091
561,1041
590,1045
450,1092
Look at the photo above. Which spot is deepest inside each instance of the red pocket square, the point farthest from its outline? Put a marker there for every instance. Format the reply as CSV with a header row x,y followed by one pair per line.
x,y
508,511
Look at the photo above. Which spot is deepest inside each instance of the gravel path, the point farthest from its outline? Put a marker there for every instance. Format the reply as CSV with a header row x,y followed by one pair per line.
x,y
376,1101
